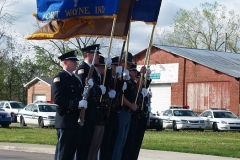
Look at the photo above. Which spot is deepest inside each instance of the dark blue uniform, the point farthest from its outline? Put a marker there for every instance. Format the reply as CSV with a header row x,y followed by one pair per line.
x,y
67,92
111,127
136,129
91,111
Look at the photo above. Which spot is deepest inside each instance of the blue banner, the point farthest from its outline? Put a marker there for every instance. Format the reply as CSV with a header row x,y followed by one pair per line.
x,y
146,10
48,10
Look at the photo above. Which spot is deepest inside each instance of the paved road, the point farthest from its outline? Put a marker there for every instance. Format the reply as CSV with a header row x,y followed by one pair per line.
x,y
17,155
144,154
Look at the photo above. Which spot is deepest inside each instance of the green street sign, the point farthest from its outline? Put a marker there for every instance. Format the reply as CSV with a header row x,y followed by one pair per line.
x,y
155,76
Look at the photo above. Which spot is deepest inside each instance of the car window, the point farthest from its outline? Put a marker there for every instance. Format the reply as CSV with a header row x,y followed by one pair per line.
x,y
184,113
1,104
47,108
205,114
166,113
34,107
29,107
17,105
224,115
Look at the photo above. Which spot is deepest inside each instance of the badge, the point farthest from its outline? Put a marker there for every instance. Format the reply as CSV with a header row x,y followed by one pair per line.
x,y
57,79
80,71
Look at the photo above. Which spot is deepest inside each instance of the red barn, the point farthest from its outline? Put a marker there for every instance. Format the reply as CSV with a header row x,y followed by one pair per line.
x,y
200,79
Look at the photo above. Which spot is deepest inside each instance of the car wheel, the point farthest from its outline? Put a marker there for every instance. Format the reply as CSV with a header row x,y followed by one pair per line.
x,y
5,125
215,127
40,122
175,126
22,122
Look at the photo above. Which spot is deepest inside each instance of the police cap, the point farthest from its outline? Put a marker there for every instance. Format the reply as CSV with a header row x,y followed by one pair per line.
x,y
91,49
115,60
133,67
129,57
71,55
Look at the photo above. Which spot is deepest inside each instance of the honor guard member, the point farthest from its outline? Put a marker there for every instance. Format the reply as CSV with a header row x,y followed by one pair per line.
x,y
95,92
67,90
102,107
142,121
135,115
124,115
111,127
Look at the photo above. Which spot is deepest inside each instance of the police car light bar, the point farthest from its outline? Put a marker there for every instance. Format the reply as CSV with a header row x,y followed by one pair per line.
x,y
218,109
178,107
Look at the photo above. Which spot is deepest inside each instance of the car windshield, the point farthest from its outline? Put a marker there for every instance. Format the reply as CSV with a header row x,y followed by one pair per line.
x,y
224,115
17,105
184,113
47,108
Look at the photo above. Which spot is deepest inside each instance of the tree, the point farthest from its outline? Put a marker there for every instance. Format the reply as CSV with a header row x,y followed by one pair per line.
x,y
6,19
210,28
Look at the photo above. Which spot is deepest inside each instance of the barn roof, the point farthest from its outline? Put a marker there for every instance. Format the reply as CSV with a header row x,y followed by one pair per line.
x,y
225,62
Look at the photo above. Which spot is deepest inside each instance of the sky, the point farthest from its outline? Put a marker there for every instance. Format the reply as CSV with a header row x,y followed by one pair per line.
x,y
140,32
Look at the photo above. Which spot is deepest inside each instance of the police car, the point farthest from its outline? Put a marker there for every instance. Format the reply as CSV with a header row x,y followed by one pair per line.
x,y
221,120
182,118
39,113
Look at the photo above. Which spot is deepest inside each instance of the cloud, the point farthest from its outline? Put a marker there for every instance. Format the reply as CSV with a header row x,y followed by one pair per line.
x,y
140,32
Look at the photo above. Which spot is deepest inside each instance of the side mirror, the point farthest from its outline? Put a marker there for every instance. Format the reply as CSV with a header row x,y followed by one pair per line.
x,y
169,115
209,116
7,107
35,110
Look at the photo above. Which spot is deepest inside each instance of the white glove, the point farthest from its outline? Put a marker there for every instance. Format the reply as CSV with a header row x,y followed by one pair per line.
x,y
149,71
112,93
144,92
126,75
124,86
90,82
82,104
119,71
108,61
103,88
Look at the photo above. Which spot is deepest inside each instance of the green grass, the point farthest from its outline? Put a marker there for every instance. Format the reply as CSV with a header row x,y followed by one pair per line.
x,y
225,144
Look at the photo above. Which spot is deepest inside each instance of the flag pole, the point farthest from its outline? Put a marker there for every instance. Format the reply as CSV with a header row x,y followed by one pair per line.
x,y
126,56
109,50
147,57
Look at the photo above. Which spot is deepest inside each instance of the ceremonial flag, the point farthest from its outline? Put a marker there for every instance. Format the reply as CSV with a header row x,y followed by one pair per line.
x,y
48,10
76,27
146,10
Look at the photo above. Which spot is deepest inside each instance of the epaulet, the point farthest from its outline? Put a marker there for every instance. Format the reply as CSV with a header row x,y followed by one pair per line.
x,y
57,77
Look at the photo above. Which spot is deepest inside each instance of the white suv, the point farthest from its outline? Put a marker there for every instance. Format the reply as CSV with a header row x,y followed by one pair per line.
x,y
12,107
221,120
181,118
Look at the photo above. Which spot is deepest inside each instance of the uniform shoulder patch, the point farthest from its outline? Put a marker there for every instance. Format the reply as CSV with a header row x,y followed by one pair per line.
x,y
57,79
80,71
